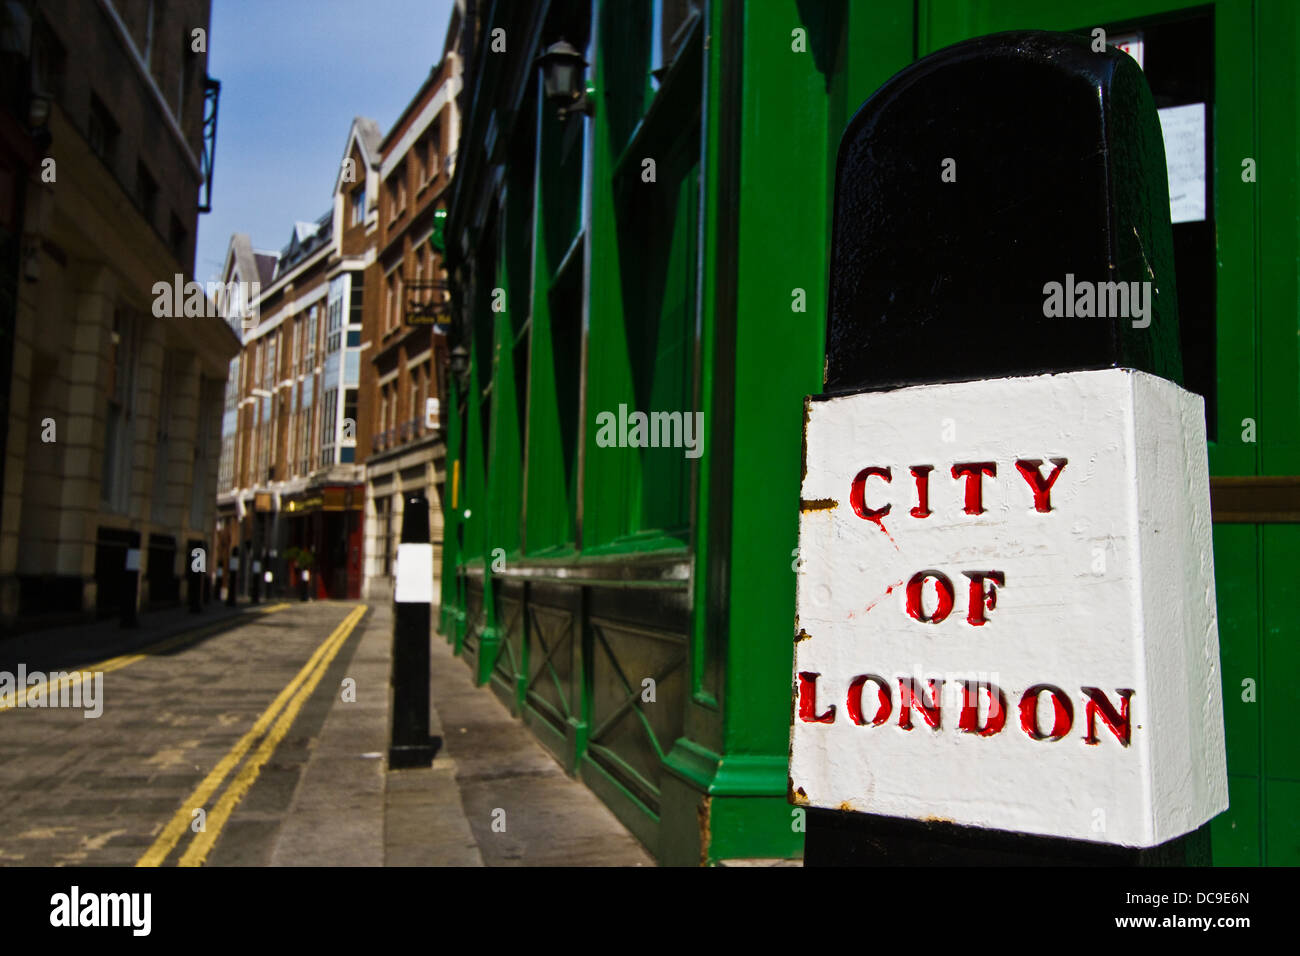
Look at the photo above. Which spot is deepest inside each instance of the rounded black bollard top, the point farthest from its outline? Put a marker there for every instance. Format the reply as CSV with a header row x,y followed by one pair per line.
x,y
972,180
415,519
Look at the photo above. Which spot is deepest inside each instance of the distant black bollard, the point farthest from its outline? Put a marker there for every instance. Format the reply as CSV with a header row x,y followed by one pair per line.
x,y
255,582
131,588
232,587
1057,174
196,579
412,599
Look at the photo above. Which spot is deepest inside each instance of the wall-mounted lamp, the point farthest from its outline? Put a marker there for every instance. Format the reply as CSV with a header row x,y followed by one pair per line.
x,y
459,361
563,70
38,120
38,110
31,258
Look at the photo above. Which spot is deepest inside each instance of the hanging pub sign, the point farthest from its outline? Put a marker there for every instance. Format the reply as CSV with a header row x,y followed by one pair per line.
x,y
1006,614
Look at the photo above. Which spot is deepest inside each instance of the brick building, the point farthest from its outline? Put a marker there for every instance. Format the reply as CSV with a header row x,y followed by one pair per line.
x,y
403,367
112,435
291,475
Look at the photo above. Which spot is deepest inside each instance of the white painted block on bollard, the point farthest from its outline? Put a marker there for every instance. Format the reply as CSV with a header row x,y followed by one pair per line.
x,y
414,574
1006,612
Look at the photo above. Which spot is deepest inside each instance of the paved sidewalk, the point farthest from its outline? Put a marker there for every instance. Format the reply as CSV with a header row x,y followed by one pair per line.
x,y
493,797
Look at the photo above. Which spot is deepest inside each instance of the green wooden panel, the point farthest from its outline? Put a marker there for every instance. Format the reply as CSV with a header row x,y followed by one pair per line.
x,y
1280,658
1236,587
1281,823
1236,204
778,358
942,23
555,339
1278,99
609,479
643,320
511,379
1235,834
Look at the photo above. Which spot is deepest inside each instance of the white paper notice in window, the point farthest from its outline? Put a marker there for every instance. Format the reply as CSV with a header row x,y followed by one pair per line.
x,y
1184,132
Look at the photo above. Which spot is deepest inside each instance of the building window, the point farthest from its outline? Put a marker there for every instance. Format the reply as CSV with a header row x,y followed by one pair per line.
x,y
48,60
232,385
146,192
333,333
268,368
183,82
394,208
177,237
358,206
148,34
421,409
391,302
384,522
356,300
397,192
277,409
309,350
102,131
115,484
329,426
672,23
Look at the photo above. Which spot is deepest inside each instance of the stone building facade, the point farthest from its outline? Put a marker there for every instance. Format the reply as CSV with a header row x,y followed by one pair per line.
x,y
115,398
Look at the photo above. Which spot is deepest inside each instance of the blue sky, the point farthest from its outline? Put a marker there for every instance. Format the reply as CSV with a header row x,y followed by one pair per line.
x,y
293,74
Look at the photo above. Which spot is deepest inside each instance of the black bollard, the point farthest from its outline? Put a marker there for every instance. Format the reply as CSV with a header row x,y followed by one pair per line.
x,y
412,598
232,589
131,588
255,582
1058,170
196,583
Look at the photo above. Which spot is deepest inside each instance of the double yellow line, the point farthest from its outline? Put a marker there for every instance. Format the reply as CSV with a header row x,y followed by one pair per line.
x,y
287,705
117,663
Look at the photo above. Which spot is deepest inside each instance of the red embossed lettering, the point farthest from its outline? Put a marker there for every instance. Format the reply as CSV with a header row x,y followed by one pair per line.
x,y
970,708
884,702
858,493
914,588
1031,470
808,701
982,597
1118,723
971,471
909,698
1064,712
922,475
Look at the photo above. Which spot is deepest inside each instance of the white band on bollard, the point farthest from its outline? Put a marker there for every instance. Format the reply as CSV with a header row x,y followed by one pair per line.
x,y
414,574
133,559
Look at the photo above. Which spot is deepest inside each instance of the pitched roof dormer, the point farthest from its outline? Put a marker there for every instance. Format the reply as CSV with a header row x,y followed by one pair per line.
x,y
358,170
